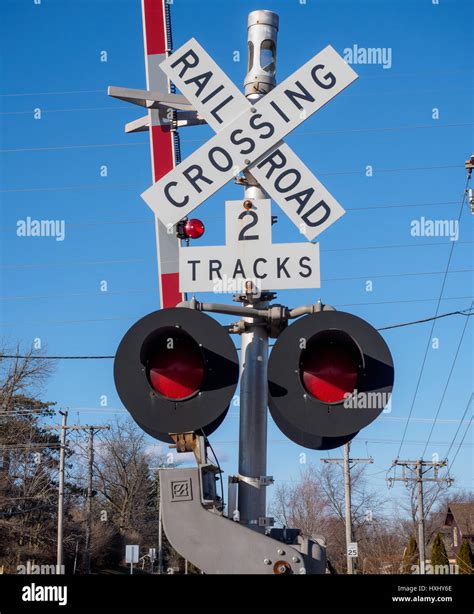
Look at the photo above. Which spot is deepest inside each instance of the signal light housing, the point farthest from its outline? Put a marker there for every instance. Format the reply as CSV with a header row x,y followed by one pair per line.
x,y
329,366
176,371
317,363
190,229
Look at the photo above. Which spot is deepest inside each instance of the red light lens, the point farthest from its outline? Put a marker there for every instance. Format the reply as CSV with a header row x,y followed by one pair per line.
x,y
329,367
194,229
175,364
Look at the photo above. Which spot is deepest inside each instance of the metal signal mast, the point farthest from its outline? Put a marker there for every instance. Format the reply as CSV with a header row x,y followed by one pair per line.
x,y
176,370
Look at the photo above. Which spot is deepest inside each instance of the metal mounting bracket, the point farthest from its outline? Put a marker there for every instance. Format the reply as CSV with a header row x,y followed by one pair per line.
x,y
151,100
263,480
184,113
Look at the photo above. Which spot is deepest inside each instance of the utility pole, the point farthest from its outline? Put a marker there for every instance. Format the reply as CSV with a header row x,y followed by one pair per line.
x,y
87,546
62,451
469,165
421,517
347,463
347,507
417,473
75,427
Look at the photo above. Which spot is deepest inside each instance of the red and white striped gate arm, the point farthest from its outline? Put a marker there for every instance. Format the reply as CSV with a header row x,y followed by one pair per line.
x,y
157,40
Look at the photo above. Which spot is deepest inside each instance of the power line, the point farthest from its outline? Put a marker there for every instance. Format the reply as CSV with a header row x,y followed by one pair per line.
x,y
297,133
103,90
131,317
434,322
447,384
409,274
400,246
461,442
63,147
147,291
69,110
415,300
35,265
78,295
448,202
231,414
375,440
382,129
457,430
145,143
235,441
443,315
350,95
108,357
117,186
143,260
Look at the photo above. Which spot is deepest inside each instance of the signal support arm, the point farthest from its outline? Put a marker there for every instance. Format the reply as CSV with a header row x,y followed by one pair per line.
x,y
163,101
276,316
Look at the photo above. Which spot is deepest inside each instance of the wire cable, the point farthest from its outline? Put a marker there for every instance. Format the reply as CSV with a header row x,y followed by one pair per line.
x,y
433,325
110,357
459,427
453,364
443,315
461,442
35,297
61,263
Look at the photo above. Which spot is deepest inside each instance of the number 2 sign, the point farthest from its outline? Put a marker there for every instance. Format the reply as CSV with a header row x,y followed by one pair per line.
x,y
249,255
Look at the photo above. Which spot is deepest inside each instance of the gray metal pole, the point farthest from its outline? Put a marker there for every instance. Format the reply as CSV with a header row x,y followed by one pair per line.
x,y
160,537
262,27
347,496
89,502
421,517
253,420
62,450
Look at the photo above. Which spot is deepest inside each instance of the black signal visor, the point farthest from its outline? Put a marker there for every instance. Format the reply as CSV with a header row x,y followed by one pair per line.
x,y
176,371
330,374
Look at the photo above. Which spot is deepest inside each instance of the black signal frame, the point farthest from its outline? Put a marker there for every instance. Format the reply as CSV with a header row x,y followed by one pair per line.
x,y
304,418
158,415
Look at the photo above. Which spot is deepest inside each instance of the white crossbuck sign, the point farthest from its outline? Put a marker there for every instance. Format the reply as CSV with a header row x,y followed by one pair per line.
x,y
249,136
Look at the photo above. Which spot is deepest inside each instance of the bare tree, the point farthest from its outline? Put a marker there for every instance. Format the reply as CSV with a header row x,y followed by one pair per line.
x,y
22,375
301,505
434,493
315,505
28,460
123,476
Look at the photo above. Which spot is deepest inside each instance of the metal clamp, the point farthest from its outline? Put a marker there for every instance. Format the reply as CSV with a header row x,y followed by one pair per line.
x,y
263,480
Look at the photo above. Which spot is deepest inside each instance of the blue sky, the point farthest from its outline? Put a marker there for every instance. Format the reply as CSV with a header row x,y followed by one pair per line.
x,y
51,170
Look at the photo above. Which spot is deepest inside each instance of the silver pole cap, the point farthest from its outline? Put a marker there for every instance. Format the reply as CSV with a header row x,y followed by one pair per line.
x,y
262,43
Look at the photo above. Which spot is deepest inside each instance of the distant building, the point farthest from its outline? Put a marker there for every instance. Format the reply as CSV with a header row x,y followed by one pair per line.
x,y
459,524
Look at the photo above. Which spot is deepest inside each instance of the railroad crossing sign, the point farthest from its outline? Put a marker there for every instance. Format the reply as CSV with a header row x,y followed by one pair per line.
x,y
249,255
249,136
